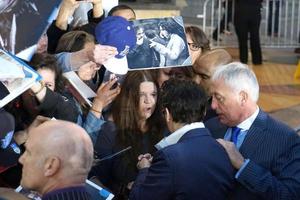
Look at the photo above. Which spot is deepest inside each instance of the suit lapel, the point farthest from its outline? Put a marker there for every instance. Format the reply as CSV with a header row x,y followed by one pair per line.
x,y
255,136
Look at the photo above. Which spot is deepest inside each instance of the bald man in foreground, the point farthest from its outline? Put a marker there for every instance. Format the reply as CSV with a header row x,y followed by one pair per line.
x,y
57,159
205,66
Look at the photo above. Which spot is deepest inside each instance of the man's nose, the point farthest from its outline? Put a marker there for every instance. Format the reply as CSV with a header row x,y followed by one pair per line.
x,y
197,79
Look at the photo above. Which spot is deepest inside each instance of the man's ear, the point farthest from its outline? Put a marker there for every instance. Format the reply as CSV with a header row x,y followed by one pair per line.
x,y
52,165
168,115
243,97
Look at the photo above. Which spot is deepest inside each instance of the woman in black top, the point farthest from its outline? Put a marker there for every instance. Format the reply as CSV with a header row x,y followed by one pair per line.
x,y
45,97
136,123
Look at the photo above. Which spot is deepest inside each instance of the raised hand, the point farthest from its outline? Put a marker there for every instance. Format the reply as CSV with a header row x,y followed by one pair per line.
x,y
102,53
66,10
144,161
105,95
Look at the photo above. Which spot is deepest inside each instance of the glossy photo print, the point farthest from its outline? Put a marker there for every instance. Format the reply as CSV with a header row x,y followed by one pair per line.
x,y
161,42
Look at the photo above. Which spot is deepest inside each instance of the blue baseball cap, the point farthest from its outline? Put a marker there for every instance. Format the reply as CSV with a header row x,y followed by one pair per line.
x,y
117,32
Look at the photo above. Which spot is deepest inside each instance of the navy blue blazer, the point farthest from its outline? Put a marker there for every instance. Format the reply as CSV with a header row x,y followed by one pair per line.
x,y
274,152
196,167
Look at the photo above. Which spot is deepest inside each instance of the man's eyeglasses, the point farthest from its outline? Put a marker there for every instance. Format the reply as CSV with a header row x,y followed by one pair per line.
x,y
194,46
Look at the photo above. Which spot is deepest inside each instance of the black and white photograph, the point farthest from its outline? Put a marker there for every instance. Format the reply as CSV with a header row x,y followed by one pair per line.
x,y
22,22
161,42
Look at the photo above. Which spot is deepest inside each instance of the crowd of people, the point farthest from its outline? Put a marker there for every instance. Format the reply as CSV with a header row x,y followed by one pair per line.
x,y
193,132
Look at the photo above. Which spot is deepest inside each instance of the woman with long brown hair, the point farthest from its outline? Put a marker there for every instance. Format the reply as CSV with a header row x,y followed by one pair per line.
x,y
136,125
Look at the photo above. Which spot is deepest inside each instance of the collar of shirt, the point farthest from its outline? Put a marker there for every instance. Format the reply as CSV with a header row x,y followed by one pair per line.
x,y
174,137
244,126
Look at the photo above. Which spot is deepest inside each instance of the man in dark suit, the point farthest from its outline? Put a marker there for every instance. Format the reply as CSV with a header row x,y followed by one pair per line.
x,y
265,152
190,164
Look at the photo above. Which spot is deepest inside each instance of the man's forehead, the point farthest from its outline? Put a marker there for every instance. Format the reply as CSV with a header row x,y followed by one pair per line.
x,y
219,86
214,58
201,69
38,133
31,136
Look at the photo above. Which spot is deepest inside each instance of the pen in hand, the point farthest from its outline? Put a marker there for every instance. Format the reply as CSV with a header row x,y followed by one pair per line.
x,y
112,155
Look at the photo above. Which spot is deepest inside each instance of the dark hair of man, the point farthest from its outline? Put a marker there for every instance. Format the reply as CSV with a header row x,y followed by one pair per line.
x,y
185,100
176,72
48,61
126,116
74,41
182,72
119,7
198,37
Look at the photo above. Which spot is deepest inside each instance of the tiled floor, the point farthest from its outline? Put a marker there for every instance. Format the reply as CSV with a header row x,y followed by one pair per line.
x,y
290,116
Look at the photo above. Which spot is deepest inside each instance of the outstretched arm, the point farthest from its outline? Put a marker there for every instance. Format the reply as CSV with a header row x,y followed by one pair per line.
x,y
60,25
66,10
98,54
97,8
73,61
172,50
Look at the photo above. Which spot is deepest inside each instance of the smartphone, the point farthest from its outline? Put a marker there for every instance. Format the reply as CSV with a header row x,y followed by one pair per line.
x,y
114,85
108,76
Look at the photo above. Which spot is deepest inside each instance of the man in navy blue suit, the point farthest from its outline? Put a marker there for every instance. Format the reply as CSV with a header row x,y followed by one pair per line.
x,y
265,152
190,164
